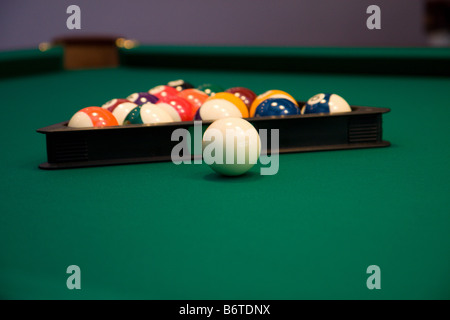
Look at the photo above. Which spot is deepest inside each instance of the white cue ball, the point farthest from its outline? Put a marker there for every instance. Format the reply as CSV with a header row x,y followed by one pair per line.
x,y
236,138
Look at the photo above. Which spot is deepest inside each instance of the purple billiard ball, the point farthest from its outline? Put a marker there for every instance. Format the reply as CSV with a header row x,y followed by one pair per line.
x,y
197,115
142,97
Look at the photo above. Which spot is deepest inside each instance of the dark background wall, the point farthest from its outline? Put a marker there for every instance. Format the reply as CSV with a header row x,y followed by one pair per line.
x,y
25,23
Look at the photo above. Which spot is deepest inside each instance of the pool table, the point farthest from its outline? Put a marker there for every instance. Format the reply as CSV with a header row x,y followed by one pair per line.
x,y
165,231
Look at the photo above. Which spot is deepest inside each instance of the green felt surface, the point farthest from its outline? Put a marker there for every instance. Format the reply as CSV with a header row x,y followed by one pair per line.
x,y
161,231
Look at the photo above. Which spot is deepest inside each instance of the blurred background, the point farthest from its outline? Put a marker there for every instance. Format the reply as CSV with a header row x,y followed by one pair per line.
x,y
26,23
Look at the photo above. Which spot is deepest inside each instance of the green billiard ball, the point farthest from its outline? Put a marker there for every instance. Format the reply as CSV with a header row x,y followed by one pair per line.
x,y
210,89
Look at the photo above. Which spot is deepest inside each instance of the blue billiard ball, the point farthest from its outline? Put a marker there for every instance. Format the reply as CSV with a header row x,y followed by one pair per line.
x,y
276,107
326,103
197,115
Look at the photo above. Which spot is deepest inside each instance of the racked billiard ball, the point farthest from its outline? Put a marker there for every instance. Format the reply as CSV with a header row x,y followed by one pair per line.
x,y
163,91
246,95
195,97
222,105
170,110
326,103
276,107
142,97
92,117
267,95
147,113
119,108
182,106
210,89
231,146
180,85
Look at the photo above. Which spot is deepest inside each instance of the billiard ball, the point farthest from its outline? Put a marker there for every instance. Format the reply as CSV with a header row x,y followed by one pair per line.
x,y
326,103
92,117
195,97
210,89
246,95
170,110
231,146
222,105
163,91
119,108
182,106
180,85
142,97
276,107
267,95
147,113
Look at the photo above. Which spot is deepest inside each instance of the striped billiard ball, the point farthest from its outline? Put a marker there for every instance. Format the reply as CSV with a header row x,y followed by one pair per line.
x,y
92,117
148,113
326,103
119,108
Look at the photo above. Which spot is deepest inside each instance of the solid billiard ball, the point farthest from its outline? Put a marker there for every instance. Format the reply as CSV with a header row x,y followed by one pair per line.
x,y
119,108
276,107
246,95
210,89
267,95
92,117
147,113
222,105
163,91
326,103
195,97
182,106
231,146
180,85
142,97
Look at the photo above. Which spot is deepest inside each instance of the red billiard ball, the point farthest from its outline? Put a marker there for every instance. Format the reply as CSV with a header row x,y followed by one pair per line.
x,y
195,97
246,95
163,91
182,106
